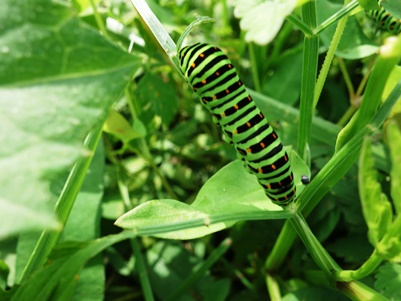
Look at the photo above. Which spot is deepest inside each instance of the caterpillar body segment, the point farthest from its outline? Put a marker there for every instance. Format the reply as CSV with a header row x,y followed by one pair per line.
x,y
214,78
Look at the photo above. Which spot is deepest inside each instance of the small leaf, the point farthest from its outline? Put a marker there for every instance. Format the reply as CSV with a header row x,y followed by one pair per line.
x,y
389,281
231,195
375,206
118,126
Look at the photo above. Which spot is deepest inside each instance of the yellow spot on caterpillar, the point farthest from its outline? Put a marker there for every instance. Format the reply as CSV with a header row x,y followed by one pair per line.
x,y
260,115
201,55
249,98
249,124
273,167
236,107
235,132
204,100
204,81
193,65
227,91
285,158
230,66
249,150
239,83
223,114
274,136
217,73
260,170
291,177
214,97
262,145
268,186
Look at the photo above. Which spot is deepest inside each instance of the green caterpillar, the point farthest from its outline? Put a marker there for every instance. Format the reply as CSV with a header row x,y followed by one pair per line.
x,y
213,77
385,21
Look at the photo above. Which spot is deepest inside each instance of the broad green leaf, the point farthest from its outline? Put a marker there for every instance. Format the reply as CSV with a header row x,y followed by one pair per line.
x,y
172,258
394,141
388,281
118,126
375,206
253,15
51,282
393,7
229,196
58,78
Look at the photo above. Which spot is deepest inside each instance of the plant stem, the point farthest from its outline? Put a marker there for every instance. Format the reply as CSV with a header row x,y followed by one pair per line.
x,y
255,71
329,58
273,288
358,291
309,70
366,269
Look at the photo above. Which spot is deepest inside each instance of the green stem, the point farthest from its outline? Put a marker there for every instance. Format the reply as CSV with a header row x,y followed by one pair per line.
x,y
309,71
323,259
255,71
200,270
337,16
273,288
301,25
99,20
142,271
140,261
366,269
329,58
358,291
62,209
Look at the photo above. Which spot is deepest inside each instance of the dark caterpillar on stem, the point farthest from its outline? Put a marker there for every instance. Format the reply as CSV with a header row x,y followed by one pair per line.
x,y
384,20
214,78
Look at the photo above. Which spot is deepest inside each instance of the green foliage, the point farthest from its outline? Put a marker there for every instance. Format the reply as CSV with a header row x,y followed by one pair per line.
x,y
92,133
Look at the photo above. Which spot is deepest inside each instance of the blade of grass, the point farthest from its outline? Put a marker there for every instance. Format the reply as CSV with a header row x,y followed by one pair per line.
x,y
48,239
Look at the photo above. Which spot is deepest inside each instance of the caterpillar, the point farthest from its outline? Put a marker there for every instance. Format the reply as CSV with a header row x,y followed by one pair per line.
x,y
384,20
214,78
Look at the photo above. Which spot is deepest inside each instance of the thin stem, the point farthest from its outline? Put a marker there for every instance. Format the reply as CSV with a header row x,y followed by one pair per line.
x,y
329,58
99,20
255,71
337,16
366,269
300,24
142,271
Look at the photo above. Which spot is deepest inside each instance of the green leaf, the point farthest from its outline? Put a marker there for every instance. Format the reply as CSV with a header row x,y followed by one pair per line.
x,y
157,98
394,141
389,281
58,78
375,206
393,7
369,4
229,196
118,126
181,265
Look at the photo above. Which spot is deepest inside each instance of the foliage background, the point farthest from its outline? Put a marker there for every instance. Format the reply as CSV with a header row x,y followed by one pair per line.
x,y
61,72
